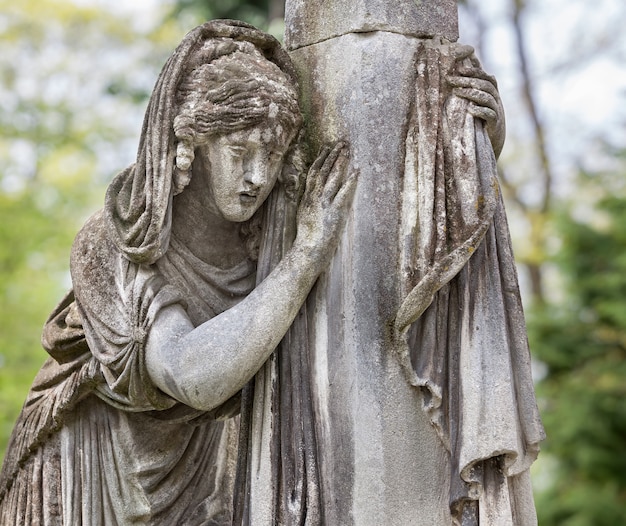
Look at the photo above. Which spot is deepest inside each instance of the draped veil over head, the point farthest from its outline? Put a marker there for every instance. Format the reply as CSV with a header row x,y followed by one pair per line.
x,y
138,201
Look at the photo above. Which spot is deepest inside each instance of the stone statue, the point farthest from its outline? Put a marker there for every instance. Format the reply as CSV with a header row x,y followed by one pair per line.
x,y
201,370
128,422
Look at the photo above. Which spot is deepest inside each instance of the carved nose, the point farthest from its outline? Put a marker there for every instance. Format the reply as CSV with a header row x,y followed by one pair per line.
x,y
254,173
253,177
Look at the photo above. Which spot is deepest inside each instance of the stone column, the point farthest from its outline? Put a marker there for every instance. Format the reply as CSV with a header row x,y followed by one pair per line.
x,y
380,461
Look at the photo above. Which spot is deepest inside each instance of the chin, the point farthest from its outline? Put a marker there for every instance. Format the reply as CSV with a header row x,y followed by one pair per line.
x,y
238,216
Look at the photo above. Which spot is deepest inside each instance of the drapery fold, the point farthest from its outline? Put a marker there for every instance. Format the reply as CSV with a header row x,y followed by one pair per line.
x,y
459,331
460,328
277,477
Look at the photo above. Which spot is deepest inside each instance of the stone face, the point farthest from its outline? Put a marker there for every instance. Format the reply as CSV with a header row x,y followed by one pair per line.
x,y
311,21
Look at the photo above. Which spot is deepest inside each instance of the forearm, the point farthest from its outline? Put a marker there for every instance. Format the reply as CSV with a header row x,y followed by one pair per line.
x,y
205,366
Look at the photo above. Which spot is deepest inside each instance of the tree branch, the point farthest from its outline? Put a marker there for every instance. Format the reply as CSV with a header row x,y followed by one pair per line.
x,y
531,105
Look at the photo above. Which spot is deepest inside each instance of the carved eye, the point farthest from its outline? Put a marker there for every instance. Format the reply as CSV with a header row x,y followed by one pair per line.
x,y
237,151
275,156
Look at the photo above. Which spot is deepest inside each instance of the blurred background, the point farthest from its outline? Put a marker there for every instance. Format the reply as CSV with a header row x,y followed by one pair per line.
x,y
74,81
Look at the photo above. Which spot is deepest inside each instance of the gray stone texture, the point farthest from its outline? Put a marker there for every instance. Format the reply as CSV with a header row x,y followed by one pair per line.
x,y
383,454
312,22
419,313
132,418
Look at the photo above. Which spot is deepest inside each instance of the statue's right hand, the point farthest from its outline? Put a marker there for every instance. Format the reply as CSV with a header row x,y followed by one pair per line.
x,y
327,196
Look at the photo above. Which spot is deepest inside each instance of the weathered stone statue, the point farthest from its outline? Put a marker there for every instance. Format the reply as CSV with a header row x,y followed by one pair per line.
x,y
213,251
128,420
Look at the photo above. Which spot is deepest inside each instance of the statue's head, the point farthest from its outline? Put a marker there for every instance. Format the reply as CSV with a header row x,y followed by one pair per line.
x,y
238,109
227,90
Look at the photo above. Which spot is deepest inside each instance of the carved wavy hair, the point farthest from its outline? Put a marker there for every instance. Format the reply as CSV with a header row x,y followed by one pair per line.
x,y
228,86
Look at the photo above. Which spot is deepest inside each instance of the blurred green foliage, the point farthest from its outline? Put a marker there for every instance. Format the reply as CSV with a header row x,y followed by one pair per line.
x,y
581,340
264,14
254,12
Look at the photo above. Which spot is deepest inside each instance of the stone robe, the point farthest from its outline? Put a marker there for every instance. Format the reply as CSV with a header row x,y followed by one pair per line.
x,y
97,443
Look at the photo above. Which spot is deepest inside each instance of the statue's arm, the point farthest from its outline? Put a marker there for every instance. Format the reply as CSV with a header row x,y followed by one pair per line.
x,y
204,366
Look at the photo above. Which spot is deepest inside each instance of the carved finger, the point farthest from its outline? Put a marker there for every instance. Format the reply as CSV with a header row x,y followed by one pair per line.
x,y
476,71
472,69
476,83
337,176
479,97
329,162
319,161
346,192
482,112
313,185
461,51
